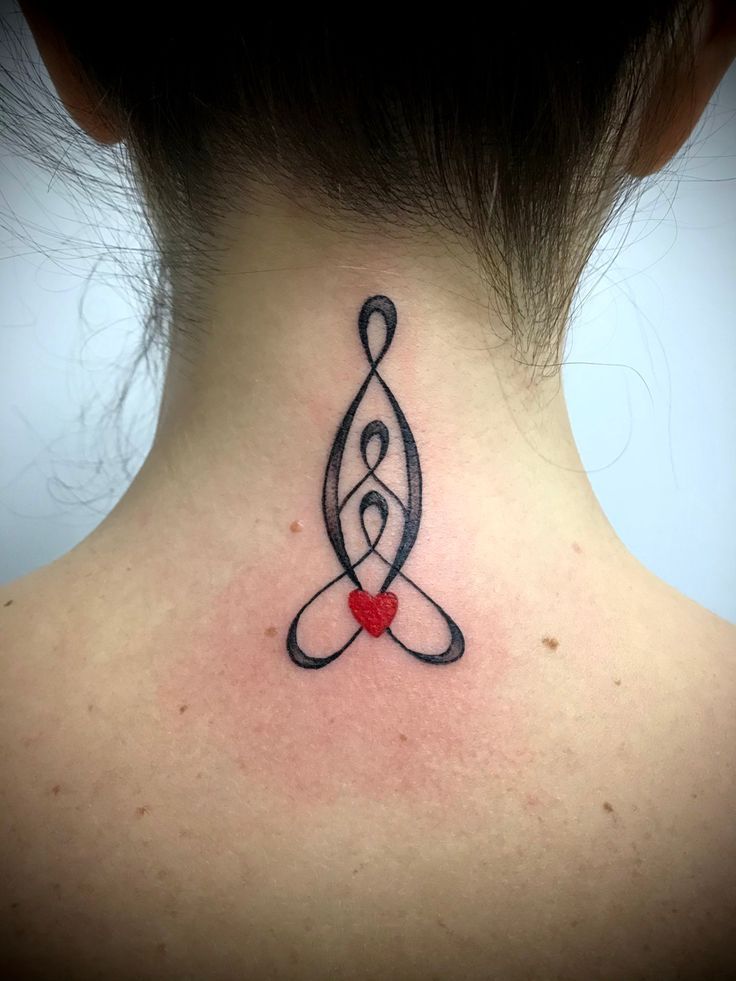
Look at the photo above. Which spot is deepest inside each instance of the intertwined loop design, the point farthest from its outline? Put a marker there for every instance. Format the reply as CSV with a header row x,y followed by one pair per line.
x,y
374,443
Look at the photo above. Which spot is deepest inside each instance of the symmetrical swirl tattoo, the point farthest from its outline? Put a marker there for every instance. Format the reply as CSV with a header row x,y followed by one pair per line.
x,y
374,613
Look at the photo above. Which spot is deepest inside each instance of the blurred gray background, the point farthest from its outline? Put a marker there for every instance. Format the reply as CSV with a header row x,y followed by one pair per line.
x,y
649,374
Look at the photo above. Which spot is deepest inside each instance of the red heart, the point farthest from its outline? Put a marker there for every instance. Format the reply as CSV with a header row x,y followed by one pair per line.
x,y
375,613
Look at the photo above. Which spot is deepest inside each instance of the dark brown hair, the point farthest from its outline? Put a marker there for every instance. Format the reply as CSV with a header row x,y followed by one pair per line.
x,y
508,125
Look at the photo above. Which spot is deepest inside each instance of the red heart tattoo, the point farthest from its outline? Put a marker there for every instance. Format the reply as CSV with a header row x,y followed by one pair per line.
x,y
374,613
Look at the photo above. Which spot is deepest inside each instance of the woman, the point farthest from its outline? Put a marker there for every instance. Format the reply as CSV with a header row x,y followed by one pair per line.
x,y
357,680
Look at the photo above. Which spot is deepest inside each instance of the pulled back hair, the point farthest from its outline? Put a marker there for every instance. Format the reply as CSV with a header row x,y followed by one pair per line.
x,y
509,126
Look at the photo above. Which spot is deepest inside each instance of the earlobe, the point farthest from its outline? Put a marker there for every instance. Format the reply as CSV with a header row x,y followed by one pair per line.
x,y
77,94
678,104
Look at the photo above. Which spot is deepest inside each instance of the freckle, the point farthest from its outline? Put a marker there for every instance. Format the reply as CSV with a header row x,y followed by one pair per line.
x,y
161,950
270,631
182,709
90,707
607,807
56,888
296,526
617,681
577,548
15,905
403,737
143,810
552,643
56,789
8,603
199,776
161,874
441,923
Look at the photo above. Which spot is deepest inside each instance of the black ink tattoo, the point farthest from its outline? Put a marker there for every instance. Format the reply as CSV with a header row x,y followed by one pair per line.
x,y
374,612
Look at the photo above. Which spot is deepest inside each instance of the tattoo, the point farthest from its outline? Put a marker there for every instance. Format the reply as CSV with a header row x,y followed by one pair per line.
x,y
374,612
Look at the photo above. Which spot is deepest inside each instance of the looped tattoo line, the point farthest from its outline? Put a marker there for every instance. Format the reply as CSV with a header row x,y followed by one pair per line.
x,y
374,613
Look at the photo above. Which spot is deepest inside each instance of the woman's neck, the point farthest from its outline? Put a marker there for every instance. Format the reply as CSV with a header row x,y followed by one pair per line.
x,y
253,400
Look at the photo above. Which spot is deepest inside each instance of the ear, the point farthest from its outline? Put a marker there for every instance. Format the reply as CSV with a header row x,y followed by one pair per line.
x,y
681,100
80,98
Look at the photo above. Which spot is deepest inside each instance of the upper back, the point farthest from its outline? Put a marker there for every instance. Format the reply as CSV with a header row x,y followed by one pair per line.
x,y
176,806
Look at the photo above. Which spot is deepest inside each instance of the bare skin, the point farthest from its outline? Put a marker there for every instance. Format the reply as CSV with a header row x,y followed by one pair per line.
x,y
181,800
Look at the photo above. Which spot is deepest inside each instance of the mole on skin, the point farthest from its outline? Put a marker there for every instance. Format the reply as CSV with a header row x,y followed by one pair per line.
x,y
270,631
552,643
296,526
